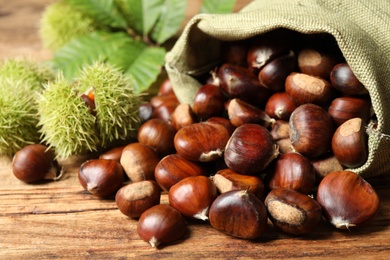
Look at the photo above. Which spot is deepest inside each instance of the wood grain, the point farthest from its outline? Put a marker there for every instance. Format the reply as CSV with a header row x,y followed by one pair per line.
x,y
60,220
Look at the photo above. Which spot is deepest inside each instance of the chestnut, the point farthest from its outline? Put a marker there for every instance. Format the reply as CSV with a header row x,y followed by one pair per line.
x,y
280,130
344,80
209,101
273,75
201,142
350,143
240,113
311,130
145,112
280,106
35,162
234,52
240,82
173,168
325,165
304,88
134,198
158,134
226,180
193,196
293,212
293,171
240,214
318,62
139,161
250,149
100,177
161,224
165,88
347,199
183,115
343,108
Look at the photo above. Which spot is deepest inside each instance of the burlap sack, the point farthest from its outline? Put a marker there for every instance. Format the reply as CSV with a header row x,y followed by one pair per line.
x,y
360,27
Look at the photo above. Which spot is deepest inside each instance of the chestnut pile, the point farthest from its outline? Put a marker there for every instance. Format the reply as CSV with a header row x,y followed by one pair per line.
x,y
270,135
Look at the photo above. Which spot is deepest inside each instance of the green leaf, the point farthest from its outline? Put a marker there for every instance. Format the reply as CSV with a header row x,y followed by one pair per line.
x,y
170,20
88,49
217,6
142,14
145,68
104,12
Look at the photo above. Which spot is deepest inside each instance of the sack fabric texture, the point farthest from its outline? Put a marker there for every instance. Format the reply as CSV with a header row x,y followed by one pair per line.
x,y
361,29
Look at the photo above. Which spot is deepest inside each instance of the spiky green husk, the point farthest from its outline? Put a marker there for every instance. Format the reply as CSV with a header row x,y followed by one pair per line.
x,y
116,102
18,116
61,23
34,75
66,122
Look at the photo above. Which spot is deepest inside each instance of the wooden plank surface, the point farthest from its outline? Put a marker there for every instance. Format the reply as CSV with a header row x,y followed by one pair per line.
x,y
60,220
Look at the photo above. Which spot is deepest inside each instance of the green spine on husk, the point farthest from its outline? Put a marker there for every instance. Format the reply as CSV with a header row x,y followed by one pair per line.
x,y
66,122
116,102
33,74
18,116
61,22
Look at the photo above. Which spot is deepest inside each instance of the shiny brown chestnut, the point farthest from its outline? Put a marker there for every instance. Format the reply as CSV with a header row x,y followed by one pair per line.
x,y
304,89
240,214
240,82
280,106
240,112
138,161
273,75
318,62
183,115
165,88
293,212
350,143
201,142
226,180
158,134
222,121
209,101
311,130
250,149
293,171
347,199
234,52
35,162
100,177
344,80
173,168
134,198
343,108
193,196
161,224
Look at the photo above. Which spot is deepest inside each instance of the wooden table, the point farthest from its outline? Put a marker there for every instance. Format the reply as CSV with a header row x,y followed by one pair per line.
x,y
60,220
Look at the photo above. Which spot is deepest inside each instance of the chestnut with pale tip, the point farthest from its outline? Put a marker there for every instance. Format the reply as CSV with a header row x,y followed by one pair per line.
x,y
293,212
100,177
240,214
240,112
305,89
161,224
350,143
347,199
34,163
182,116
139,161
193,196
226,180
134,198
202,142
